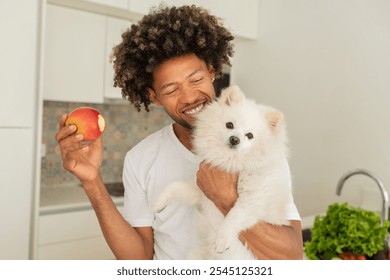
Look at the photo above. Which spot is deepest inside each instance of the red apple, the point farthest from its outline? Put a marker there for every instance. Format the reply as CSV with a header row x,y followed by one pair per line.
x,y
88,121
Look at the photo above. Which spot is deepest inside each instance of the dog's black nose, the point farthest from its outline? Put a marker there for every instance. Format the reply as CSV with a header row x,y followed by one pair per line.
x,y
234,140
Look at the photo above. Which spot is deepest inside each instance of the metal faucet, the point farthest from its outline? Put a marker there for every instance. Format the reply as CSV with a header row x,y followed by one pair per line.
x,y
385,196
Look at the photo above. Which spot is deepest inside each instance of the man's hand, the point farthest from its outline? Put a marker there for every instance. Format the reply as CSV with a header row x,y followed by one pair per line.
x,y
218,186
81,159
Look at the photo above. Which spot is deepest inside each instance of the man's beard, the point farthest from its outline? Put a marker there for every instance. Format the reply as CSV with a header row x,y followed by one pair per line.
x,y
181,122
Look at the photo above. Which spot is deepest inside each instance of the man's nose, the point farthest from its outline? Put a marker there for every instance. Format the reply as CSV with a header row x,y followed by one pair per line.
x,y
187,95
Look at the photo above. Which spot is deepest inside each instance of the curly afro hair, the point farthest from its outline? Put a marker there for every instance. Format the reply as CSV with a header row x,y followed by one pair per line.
x,y
164,33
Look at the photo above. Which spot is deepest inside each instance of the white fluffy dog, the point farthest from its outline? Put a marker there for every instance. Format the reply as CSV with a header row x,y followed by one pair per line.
x,y
237,135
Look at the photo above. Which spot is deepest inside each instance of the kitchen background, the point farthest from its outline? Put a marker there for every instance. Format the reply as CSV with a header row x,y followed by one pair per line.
x,y
324,63
120,135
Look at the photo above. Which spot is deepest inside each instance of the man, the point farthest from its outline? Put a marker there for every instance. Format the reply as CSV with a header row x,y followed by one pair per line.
x,y
171,58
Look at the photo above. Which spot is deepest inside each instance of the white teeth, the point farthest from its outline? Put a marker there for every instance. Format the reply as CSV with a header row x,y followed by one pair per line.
x,y
195,110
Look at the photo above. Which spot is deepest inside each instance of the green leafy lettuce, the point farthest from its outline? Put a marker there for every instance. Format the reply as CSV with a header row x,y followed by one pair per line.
x,y
345,228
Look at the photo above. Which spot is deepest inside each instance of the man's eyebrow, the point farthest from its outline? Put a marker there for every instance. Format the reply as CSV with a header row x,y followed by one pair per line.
x,y
193,73
164,86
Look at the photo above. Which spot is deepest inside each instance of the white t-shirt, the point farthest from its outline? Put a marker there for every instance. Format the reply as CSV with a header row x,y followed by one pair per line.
x,y
150,166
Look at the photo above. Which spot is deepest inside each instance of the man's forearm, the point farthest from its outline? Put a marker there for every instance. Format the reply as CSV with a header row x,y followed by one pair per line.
x,y
272,242
125,241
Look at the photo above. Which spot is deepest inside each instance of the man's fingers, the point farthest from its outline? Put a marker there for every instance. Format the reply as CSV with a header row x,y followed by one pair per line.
x,y
62,121
71,157
65,132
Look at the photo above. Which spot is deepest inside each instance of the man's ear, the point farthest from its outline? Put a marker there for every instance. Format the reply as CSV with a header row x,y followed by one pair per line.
x,y
153,97
212,73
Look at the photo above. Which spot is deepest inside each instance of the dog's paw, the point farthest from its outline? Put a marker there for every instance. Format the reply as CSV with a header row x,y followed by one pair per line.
x,y
159,206
221,245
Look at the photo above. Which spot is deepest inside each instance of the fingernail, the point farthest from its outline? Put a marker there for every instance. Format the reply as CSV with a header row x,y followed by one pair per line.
x,y
72,127
79,136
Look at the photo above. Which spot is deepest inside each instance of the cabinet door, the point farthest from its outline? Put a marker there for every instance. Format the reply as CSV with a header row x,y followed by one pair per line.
x,y
121,4
142,7
241,17
72,235
94,248
16,184
115,28
18,69
74,55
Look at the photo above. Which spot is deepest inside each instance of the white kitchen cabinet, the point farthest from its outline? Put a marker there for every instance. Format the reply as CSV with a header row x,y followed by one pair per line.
x,y
74,55
241,17
78,44
72,235
121,4
142,7
18,48
19,29
16,186
114,28
92,248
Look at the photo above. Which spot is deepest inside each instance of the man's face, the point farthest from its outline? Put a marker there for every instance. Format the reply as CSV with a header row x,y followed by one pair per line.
x,y
182,85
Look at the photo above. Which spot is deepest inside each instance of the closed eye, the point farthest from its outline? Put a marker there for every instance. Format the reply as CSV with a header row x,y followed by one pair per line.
x,y
197,81
170,92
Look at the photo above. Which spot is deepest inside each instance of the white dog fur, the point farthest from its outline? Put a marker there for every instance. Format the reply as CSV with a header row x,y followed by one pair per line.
x,y
237,135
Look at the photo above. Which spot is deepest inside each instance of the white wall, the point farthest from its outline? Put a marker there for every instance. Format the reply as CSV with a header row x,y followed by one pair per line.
x,y
326,65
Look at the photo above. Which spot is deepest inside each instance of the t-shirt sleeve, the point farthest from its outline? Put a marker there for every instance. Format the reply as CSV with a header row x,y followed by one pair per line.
x,y
136,208
292,211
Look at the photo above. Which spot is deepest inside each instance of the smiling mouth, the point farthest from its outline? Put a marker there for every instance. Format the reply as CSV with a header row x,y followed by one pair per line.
x,y
194,111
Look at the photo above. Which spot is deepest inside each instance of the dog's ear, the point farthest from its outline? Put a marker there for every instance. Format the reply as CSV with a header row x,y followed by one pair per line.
x,y
231,95
275,120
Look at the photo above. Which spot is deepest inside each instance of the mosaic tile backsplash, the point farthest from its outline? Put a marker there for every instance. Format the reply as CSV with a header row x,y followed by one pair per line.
x,y
125,127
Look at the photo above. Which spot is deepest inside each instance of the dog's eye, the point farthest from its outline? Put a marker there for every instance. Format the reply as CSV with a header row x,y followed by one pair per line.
x,y
249,135
229,125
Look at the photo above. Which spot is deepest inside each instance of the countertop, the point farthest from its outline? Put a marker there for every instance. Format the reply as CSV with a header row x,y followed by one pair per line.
x,y
55,199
